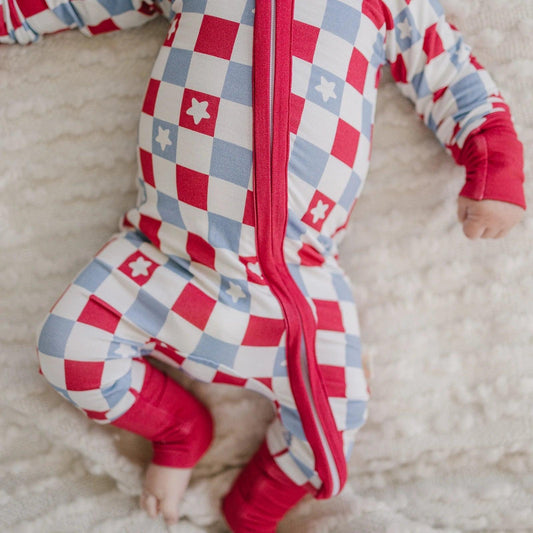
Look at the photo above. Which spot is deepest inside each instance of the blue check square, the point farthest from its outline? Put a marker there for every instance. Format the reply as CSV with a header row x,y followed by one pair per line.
x,y
405,30
342,20
307,161
147,313
214,352
325,89
238,84
117,7
231,162
224,232
164,139
177,66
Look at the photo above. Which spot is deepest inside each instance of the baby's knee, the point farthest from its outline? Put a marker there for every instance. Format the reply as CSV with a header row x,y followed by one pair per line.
x,y
77,372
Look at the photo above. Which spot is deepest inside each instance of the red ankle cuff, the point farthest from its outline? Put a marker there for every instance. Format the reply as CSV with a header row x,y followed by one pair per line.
x,y
260,496
178,424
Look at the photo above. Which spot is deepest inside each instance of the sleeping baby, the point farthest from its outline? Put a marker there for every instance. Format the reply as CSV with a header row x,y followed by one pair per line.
x,y
253,145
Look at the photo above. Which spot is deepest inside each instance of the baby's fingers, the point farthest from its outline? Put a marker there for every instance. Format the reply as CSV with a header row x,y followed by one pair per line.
x,y
491,233
473,229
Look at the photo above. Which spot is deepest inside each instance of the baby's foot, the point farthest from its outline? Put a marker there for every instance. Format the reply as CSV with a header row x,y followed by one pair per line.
x,y
163,491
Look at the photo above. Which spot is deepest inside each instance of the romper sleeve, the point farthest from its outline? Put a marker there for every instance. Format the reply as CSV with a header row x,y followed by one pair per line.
x,y
455,97
25,21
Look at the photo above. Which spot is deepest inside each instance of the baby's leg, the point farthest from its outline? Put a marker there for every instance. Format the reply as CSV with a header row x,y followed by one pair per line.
x,y
283,471
92,353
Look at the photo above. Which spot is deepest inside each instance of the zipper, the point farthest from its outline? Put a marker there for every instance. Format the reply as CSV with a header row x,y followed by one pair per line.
x,y
272,57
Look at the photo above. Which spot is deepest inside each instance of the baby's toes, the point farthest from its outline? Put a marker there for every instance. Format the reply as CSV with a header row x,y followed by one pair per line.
x,y
170,510
150,505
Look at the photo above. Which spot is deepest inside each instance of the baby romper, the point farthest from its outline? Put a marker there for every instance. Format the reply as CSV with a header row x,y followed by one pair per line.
x,y
254,143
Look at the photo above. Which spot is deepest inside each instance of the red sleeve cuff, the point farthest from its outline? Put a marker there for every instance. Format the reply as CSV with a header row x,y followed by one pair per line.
x,y
494,161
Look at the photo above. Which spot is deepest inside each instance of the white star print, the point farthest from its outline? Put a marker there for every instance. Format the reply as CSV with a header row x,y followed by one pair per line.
x,y
283,363
139,267
254,267
198,110
125,350
319,211
326,89
235,292
162,138
405,29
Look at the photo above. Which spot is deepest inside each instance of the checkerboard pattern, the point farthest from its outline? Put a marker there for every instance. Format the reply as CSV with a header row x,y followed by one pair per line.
x,y
25,21
182,281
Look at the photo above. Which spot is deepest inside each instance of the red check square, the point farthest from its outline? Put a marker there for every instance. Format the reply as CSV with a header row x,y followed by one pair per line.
x,y
192,187
32,7
200,250
432,43
216,37
357,70
249,210
310,256
99,314
304,38
147,166
329,316
105,26
199,112
150,97
345,143
138,267
319,209
263,331
150,227
194,306
83,375
295,113
228,379
334,379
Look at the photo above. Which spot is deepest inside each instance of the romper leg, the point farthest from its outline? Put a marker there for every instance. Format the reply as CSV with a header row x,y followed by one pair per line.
x,y
92,354
283,470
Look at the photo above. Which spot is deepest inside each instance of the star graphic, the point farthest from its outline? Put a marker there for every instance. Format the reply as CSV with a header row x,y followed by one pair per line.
x,y
326,89
126,350
139,267
162,138
319,211
198,110
235,292
405,29
254,268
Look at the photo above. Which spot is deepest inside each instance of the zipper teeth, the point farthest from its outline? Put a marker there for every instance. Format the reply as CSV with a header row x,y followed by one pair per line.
x,y
303,352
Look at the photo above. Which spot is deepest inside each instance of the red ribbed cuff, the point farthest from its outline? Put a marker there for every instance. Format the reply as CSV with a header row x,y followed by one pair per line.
x,y
494,161
178,424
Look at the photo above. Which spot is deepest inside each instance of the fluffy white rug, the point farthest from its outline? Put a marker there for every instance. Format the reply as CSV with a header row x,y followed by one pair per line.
x,y
448,323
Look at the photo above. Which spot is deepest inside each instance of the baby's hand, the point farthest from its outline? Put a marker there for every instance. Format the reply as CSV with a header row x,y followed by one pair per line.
x,y
488,219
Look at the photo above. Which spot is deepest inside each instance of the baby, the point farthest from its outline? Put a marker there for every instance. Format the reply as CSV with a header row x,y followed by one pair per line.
x,y
254,143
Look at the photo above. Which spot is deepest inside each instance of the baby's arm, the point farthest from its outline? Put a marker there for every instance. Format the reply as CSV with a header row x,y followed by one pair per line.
x,y
461,104
24,21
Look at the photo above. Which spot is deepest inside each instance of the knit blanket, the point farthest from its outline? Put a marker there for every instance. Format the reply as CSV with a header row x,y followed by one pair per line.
x,y
447,323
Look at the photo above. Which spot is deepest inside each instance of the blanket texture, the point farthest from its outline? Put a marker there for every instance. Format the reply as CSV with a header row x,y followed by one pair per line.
x,y
447,323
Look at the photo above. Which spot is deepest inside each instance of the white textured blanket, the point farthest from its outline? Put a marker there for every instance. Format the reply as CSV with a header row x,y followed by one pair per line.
x,y
448,323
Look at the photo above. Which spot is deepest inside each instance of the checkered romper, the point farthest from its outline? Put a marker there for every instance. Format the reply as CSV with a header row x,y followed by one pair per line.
x,y
227,266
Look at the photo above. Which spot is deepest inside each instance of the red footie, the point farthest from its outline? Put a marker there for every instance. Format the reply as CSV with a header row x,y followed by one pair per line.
x,y
260,496
178,424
